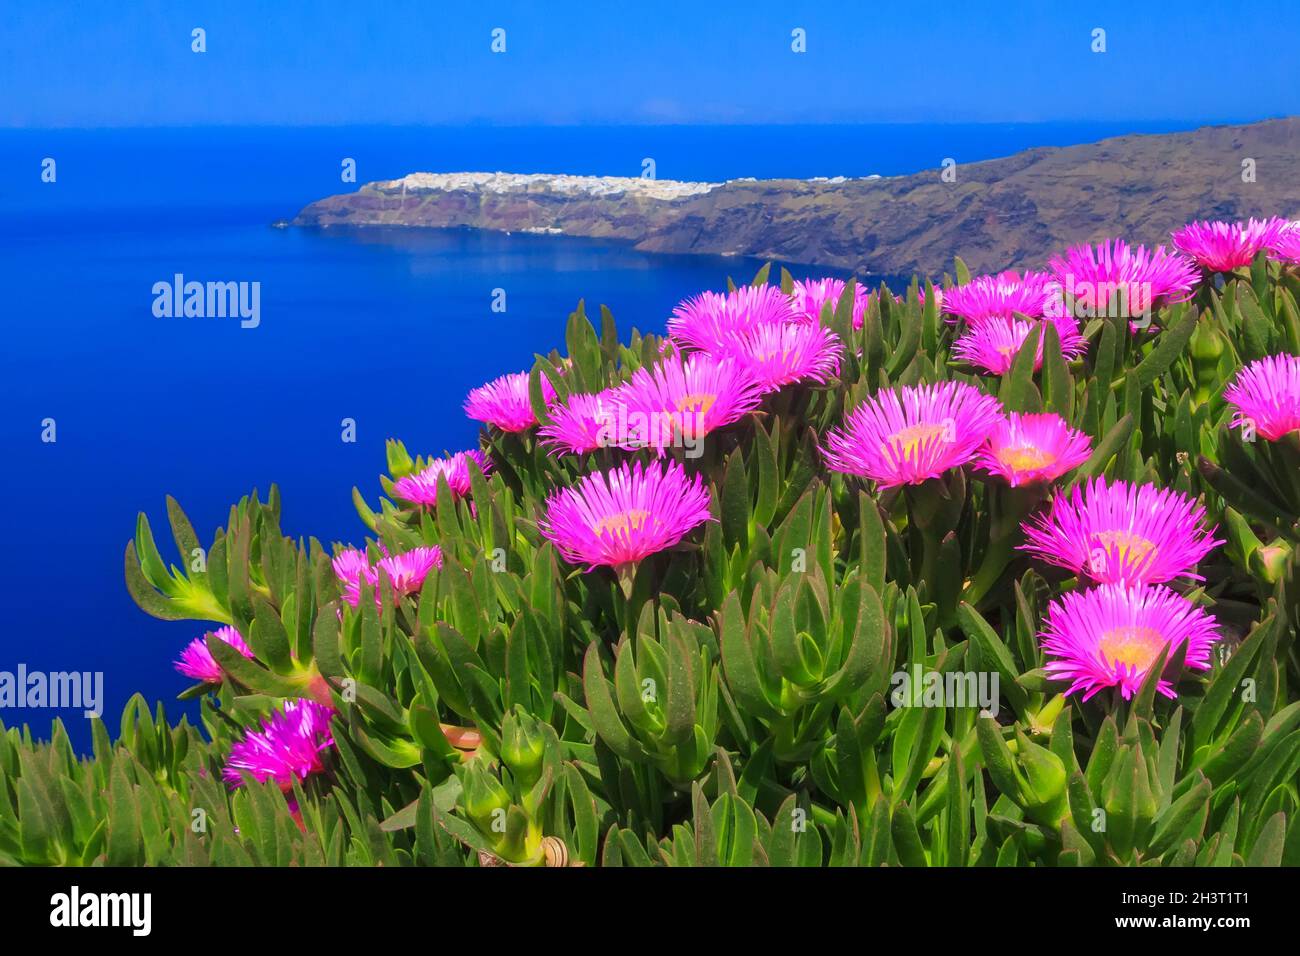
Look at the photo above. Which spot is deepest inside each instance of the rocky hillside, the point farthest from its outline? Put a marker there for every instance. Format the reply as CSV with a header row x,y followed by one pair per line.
x,y
1001,213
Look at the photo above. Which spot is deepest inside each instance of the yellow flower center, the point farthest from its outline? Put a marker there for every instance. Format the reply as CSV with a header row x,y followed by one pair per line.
x,y
624,522
700,402
909,440
1134,646
1025,457
1131,548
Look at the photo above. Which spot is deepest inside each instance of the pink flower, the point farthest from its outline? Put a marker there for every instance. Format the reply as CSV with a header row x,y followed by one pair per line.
x,y
809,296
1266,395
1112,635
1286,247
620,517
406,572
682,401
1115,279
1224,246
1024,449
779,355
1002,296
914,434
197,662
992,344
504,402
351,566
710,321
582,423
288,746
1121,533
422,487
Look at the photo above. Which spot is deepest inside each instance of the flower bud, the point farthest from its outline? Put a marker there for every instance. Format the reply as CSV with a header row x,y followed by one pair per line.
x,y
522,746
1207,347
520,841
1207,343
1044,778
483,798
1269,563
399,459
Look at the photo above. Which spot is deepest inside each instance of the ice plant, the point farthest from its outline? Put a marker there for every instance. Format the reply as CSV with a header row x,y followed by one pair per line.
x,y
1024,449
711,320
581,423
1286,247
289,745
406,571
1001,296
991,344
1266,395
811,295
617,518
1112,635
1116,279
670,624
1135,534
351,565
682,400
197,662
1224,246
422,488
779,355
504,402
907,436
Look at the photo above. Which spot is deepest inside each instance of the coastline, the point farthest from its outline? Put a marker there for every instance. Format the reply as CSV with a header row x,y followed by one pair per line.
x,y
1001,213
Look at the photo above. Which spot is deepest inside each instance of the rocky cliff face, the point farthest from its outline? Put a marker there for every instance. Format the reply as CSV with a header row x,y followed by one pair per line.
x,y
1003,213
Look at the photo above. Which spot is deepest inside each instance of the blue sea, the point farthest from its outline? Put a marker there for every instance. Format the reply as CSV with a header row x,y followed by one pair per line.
x,y
389,328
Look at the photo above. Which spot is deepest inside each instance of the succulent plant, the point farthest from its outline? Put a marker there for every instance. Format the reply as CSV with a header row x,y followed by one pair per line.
x,y
838,651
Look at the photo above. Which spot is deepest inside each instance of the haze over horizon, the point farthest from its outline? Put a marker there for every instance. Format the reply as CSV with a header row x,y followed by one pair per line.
x,y
334,63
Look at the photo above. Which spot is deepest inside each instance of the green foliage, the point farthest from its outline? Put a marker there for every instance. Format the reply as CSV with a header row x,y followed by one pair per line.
x,y
735,703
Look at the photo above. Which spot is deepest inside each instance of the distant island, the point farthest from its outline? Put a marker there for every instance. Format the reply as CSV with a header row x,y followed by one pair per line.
x,y
1001,213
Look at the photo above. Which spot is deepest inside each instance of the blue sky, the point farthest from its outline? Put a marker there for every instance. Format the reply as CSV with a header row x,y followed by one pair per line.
x,y
289,62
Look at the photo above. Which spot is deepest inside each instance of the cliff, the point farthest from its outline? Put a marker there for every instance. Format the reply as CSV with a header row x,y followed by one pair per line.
x,y
1001,213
